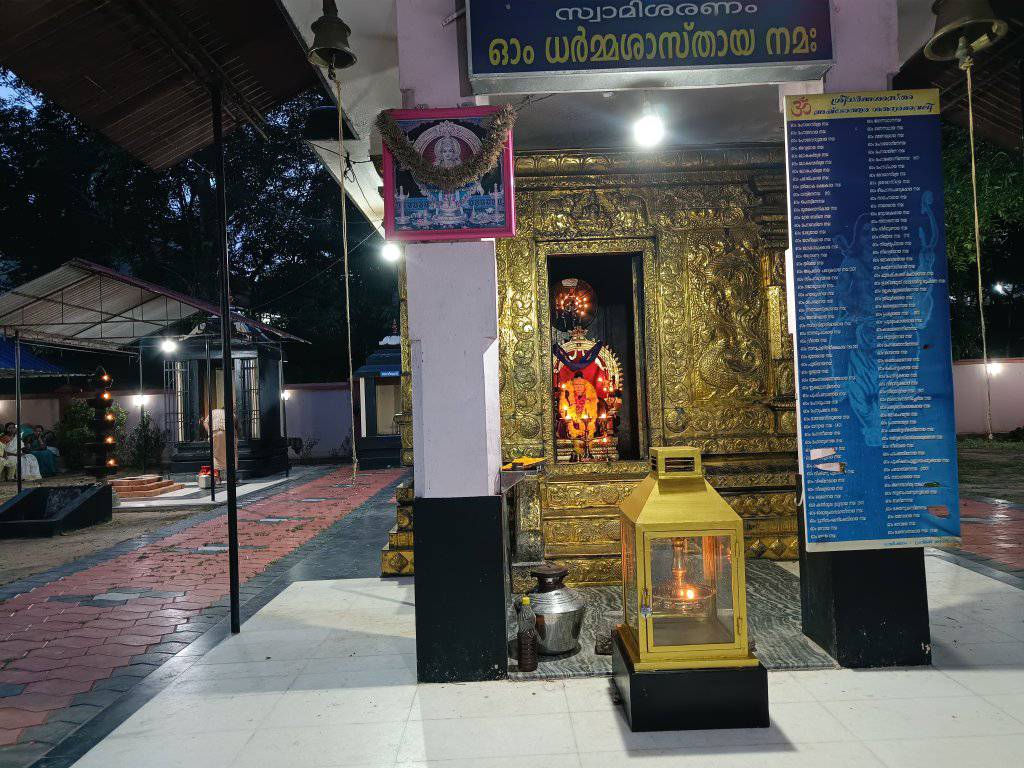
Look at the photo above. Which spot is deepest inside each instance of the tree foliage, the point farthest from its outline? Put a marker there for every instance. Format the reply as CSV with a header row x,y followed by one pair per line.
x,y
1001,216
66,191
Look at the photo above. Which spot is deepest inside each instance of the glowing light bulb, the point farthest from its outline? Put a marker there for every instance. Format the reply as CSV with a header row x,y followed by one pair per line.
x,y
390,252
649,130
168,345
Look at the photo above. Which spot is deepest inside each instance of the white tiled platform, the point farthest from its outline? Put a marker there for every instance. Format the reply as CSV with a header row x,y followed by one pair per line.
x,y
324,677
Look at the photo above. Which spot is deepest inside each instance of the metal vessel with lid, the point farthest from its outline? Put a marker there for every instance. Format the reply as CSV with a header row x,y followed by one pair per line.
x,y
559,610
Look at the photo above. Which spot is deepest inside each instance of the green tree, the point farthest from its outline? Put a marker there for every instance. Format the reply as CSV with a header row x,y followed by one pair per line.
x,y
66,192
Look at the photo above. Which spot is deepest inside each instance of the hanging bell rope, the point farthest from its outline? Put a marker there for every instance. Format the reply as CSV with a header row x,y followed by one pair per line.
x,y
967,64
448,179
344,247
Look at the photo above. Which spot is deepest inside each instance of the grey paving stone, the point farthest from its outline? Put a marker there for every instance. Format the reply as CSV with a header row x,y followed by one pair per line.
x,y
97,698
151,658
170,647
50,732
23,754
76,713
120,684
135,670
10,689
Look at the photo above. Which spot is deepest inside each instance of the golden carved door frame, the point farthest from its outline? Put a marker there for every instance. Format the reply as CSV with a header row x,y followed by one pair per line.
x,y
649,410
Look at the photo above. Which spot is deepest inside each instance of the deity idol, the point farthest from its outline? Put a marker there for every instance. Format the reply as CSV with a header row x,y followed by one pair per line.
x,y
447,145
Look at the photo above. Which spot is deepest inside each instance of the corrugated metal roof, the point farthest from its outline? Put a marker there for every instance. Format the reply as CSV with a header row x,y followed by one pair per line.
x,y
137,71
86,305
31,365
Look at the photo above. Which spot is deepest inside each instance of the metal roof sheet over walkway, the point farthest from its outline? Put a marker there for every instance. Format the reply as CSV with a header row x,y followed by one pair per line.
x,y
86,305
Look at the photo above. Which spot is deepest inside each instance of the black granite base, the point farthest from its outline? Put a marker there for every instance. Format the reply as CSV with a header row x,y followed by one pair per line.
x,y
690,699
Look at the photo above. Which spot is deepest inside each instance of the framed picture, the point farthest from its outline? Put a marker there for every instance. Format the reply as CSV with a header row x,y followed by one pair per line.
x,y
414,211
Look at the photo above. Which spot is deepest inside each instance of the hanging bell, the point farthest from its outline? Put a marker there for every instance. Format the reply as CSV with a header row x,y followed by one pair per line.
x,y
962,28
330,47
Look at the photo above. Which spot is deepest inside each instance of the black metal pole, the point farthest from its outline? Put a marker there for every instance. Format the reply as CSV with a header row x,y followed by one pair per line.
x,y
209,423
284,415
143,431
17,404
225,341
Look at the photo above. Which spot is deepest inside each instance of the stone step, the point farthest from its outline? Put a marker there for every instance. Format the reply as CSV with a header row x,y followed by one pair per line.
x,y
396,562
147,490
139,482
399,539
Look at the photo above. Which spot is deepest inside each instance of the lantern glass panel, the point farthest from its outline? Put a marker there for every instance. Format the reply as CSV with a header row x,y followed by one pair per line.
x,y
691,599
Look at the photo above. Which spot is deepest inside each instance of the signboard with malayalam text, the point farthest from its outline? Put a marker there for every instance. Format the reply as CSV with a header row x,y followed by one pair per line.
x,y
874,367
519,44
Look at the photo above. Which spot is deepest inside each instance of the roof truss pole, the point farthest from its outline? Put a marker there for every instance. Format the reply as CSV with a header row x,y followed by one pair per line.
x,y
17,405
226,361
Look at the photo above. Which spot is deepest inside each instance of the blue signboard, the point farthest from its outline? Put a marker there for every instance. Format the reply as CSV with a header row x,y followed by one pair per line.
x,y
517,37
874,369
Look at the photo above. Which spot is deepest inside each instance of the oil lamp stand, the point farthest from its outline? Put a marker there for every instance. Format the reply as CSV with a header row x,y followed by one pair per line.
x,y
690,699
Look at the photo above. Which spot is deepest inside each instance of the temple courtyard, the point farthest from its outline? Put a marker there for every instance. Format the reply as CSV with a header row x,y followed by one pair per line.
x,y
122,656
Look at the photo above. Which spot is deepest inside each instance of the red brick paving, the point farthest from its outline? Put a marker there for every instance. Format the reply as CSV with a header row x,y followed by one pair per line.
x,y
59,649
994,530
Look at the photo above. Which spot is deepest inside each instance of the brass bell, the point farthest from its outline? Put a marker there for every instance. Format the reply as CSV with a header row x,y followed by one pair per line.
x,y
330,47
962,28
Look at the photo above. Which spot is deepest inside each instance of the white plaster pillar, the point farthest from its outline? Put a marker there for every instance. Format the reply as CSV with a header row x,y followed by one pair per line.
x,y
865,45
453,334
452,299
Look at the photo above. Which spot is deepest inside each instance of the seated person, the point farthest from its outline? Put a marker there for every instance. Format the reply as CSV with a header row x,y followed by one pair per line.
x,y
35,443
29,463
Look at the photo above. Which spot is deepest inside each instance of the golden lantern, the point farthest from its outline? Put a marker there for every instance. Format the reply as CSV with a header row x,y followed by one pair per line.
x,y
684,604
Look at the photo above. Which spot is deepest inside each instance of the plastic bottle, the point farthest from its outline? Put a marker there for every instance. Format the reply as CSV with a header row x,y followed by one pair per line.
x,y
527,636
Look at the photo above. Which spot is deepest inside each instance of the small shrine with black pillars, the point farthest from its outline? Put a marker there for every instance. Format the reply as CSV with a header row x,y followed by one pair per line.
x,y
193,398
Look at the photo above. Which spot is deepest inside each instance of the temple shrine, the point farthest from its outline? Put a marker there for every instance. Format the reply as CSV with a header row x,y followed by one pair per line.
x,y
642,303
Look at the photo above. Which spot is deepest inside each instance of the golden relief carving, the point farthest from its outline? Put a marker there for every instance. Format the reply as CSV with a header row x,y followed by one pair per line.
x,y
782,504
586,494
708,227
587,530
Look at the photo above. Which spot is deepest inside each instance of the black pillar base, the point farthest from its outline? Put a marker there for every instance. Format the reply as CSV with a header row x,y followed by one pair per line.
x,y
867,608
461,589
690,699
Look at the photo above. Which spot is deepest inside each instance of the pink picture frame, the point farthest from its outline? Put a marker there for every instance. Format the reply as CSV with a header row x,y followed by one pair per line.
x,y
417,212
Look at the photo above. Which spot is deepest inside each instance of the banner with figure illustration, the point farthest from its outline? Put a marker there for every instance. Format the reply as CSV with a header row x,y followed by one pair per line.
x,y
871,301
522,46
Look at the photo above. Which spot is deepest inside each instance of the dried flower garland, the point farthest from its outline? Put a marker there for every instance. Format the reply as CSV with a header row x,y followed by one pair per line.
x,y
448,179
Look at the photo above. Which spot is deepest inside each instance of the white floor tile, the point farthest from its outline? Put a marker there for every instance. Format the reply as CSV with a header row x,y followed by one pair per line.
x,y
1012,704
785,688
523,735
206,750
500,698
267,645
342,644
854,684
387,704
369,671
590,694
989,682
321,747
967,752
177,711
847,754
795,723
508,761
923,718
961,655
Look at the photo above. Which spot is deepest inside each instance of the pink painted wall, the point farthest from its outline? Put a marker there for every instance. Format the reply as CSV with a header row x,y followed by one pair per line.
x,y
1007,395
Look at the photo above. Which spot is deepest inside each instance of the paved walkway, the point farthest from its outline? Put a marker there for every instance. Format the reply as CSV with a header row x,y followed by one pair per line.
x,y
73,640
993,531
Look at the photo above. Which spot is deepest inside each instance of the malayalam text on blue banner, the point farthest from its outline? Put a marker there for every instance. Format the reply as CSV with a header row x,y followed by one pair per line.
x,y
874,370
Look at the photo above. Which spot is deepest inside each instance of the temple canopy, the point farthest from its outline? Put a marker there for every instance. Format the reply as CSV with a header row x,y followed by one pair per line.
x,y
31,365
85,305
